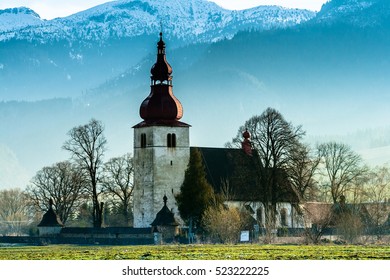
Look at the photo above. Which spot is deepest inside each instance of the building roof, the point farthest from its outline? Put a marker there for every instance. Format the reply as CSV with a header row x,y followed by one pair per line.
x,y
318,212
165,217
171,123
50,218
236,173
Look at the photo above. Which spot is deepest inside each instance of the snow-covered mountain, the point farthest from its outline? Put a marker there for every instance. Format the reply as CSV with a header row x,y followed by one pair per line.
x,y
361,13
198,20
81,51
15,19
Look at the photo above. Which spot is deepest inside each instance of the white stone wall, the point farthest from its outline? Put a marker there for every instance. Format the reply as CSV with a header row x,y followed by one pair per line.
x,y
158,171
49,231
293,220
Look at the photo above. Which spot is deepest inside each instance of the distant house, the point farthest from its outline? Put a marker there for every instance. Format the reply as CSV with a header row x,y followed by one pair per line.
x,y
370,218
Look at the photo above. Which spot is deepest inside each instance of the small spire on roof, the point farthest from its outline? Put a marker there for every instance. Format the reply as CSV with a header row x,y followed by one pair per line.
x,y
165,200
246,145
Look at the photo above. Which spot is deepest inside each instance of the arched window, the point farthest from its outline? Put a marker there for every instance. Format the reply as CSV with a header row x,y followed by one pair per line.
x,y
143,140
283,217
171,140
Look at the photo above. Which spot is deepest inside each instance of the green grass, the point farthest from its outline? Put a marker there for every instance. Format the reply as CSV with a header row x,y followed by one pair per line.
x,y
196,252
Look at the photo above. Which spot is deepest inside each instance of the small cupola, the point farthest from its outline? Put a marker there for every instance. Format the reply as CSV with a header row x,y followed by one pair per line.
x,y
50,223
165,223
165,217
246,144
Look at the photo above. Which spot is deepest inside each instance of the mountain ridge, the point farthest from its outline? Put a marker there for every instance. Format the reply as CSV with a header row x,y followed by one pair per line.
x,y
79,52
197,20
14,19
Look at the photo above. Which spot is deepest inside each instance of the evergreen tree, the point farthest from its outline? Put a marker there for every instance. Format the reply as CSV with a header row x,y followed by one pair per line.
x,y
196,194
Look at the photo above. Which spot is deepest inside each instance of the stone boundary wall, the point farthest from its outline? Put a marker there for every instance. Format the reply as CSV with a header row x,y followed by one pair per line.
x,y
29,240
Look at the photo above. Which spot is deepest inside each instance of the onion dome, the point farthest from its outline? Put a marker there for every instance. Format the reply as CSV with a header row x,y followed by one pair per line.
x,y
161,106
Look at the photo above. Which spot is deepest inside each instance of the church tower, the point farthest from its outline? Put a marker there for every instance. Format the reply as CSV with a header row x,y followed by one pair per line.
x,y
161,146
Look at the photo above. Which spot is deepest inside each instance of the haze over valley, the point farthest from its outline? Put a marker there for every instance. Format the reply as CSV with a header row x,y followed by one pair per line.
x,y
327,71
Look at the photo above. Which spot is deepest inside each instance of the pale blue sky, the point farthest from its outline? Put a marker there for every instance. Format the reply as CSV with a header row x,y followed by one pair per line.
x,y
50,9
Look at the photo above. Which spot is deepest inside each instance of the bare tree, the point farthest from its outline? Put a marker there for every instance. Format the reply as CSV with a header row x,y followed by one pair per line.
x,y
301,172
341,166
62,182
13,211
87,146
376,192
274,140
317,217
118,182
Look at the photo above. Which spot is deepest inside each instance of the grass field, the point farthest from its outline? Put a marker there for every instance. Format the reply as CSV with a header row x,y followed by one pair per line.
x,y
196,252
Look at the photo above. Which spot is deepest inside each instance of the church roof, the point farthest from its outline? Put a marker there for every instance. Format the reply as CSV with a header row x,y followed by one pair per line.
x,y
235,172
50,218
165,217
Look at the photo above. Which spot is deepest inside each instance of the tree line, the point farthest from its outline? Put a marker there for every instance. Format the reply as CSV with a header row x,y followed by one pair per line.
x,y
86,191
327,173
78,186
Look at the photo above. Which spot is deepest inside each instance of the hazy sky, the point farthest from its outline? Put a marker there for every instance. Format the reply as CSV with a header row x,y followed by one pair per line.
x,y
49,9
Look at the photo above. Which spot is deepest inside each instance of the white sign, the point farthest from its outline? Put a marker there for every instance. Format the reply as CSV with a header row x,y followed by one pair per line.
x,y
244,237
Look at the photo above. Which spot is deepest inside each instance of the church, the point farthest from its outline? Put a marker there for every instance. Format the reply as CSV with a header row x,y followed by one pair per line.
x,y
162,152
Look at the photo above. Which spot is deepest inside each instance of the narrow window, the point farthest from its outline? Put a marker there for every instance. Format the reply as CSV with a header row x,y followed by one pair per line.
x,y
169,140
173,140
143,140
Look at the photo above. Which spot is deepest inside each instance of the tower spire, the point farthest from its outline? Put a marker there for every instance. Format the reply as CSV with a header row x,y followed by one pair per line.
x,y
161,106
161,71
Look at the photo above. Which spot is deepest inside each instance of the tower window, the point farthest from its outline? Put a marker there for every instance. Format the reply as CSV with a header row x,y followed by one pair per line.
x,y
143,140
171,140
